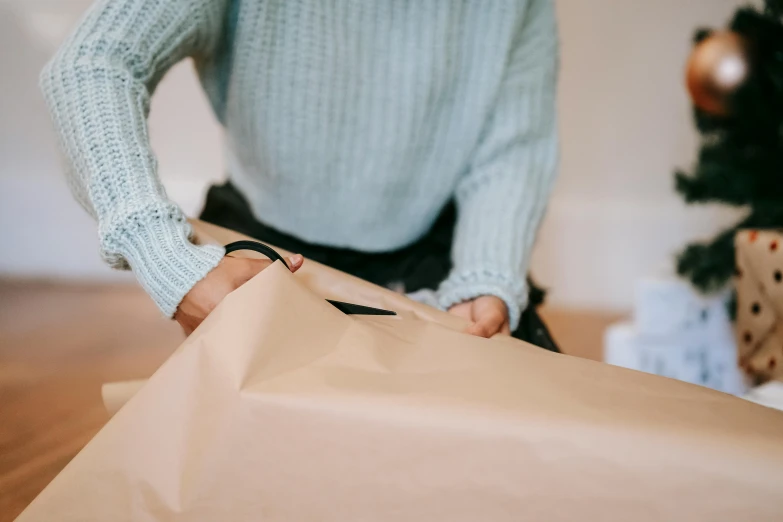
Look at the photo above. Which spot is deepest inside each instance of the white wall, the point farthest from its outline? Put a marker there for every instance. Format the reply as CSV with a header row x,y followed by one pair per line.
x,y
625,123
45,234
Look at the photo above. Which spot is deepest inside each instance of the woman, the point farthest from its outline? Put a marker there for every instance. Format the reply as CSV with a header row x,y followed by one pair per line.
x,y
351,128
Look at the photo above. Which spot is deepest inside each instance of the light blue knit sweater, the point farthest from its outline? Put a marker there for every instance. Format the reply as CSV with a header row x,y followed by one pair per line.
x,y
348,124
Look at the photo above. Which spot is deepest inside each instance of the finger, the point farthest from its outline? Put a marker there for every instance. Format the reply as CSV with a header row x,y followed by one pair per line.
x,y
187,323
463,310
480,330
487,325
506,329
295,262
249,269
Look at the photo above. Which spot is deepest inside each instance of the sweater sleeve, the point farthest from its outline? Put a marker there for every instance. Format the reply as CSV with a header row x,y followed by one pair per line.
x,y
98,89
504,193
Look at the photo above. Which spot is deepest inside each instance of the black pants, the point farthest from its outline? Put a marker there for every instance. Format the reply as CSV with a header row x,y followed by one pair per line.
x,y
421,265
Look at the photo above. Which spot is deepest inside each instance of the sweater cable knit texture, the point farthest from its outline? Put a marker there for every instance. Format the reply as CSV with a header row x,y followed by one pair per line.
x,y
348,123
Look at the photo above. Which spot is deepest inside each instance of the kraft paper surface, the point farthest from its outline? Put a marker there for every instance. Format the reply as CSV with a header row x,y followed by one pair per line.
x,y
320,279
333,284
281,408
116,394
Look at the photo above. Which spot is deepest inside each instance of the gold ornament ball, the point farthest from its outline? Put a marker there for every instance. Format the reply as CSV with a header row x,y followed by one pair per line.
x,y
717,67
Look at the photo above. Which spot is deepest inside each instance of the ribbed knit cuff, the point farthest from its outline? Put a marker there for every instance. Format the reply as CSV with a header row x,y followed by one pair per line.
x,y
166,263
465,286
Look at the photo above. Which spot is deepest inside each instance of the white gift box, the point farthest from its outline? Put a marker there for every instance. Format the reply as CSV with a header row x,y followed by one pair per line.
x,y
620,346
705,360
667,305
680,334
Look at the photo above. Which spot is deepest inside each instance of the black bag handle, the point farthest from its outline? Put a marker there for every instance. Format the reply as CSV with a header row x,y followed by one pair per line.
x,y
274,255
255,246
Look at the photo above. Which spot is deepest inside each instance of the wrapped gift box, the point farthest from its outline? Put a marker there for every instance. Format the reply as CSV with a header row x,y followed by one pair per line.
x,y
759,286
667,305
678,333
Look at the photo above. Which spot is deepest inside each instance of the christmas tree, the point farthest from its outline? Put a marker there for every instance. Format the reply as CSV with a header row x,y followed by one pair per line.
x,y
735,78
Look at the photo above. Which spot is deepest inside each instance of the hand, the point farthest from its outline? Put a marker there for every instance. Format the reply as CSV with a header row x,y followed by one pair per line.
x,y
488,315
227,276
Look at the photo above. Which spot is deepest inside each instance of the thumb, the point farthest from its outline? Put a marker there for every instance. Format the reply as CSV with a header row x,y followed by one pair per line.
x,y
251,267
463,310
248,269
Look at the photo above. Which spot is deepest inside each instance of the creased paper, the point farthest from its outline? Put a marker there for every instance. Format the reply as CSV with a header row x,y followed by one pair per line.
x,y
281,408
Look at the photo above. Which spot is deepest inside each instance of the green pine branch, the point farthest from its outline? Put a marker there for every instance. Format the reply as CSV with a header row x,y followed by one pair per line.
x,y
710,265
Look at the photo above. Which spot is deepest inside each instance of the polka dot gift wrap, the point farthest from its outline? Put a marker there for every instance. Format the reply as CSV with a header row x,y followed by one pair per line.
x,y
759,284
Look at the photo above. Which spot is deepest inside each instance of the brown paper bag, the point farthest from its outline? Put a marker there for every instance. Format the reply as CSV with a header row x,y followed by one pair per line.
x,y
116,394
281,408
759,285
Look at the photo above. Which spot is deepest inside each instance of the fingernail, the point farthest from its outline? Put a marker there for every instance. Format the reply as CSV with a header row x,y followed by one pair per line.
x,y
296,261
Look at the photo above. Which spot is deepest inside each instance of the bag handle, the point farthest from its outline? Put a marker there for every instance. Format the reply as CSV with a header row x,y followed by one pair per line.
x,y
255,246
271,253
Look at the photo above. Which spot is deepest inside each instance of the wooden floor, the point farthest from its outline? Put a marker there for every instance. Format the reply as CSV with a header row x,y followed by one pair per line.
x,y
59,344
